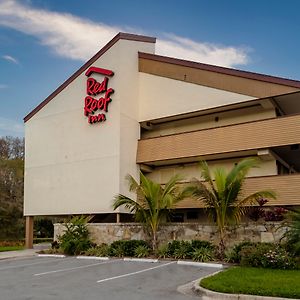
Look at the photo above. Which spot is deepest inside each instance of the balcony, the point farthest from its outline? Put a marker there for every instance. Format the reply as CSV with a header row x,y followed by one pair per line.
x,y
245,137
287,188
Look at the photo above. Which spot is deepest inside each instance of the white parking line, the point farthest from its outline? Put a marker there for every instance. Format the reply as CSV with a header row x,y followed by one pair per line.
x,y
137,272
76,268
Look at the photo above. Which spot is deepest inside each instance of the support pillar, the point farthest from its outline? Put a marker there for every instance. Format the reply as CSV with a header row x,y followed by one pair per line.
x,y
29,232
118,217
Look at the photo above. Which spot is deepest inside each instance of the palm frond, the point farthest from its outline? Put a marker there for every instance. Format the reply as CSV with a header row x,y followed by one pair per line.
x,y
240,170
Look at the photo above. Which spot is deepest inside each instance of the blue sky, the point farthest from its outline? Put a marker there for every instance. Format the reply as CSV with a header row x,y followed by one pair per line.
x,y
43,42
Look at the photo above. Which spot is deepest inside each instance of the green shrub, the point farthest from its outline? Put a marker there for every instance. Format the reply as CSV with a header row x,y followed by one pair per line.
x,y
203,254
234,255
126,247
184,250
172,246
267,255
99,250
198,244
293,234
76,236
142,251
163,251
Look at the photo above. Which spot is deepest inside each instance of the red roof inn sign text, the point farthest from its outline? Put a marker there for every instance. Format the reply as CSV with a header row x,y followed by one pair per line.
x,y
93,89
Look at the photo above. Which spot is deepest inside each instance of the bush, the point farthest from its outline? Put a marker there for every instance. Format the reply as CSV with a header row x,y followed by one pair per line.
x,y
293,234
142,251
126,247
198,244
203,254
163,251
184,250
234,255
76,237
267,256
100,250
172,246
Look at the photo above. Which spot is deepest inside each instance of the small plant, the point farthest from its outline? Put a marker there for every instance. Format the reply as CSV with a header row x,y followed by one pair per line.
x,y
172,246
76,237
184,251
202,254
126,247
196,244
163,251
142,251
267,255
234,255
275,215
100,250
293,234
257,212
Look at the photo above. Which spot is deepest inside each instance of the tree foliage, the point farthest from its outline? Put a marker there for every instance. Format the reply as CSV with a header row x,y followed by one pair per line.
x,y
222,194
11,187
153,203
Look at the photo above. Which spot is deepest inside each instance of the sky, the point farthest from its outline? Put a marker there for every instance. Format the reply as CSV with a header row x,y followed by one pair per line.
x,y
43,42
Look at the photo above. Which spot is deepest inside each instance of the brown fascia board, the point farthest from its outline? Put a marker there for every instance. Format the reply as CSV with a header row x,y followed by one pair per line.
x,y
222,70
119,36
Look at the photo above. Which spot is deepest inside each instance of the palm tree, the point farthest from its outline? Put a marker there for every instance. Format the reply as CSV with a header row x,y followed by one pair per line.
x,y
222,194
293,233
153,203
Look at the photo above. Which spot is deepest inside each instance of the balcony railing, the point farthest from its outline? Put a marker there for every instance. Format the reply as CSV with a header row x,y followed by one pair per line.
x,y
233,138
287,188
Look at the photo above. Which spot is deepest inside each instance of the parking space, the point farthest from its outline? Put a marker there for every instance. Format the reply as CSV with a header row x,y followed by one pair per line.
x,y
71,278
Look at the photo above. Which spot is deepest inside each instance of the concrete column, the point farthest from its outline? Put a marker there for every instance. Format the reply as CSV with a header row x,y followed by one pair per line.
x,y
118,217
29,232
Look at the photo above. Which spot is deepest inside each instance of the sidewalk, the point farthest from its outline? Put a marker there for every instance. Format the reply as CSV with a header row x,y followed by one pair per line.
x,y
24,253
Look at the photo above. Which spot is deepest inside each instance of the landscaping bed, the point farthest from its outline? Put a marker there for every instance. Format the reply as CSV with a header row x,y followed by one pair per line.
x,y
255,281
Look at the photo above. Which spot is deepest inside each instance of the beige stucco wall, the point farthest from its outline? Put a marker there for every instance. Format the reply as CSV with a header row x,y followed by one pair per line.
x,y
74,167
190,171
208,121
162,97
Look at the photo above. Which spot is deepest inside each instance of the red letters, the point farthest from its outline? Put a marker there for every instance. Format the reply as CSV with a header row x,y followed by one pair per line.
x,y
95,119
94,88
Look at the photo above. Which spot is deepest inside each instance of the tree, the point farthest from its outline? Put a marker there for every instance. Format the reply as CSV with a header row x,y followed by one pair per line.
x,y
222,194
153,203
11,187
293,234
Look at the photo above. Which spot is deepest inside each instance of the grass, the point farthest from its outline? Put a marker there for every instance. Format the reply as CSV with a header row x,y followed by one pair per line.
x,y
10,248
255,281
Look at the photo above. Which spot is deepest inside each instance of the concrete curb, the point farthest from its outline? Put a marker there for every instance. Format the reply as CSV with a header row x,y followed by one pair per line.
x,y
211,295
200,264
52,255
147,260
92,257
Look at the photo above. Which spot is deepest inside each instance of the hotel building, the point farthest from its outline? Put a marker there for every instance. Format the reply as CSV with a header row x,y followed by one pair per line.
x,y
128,109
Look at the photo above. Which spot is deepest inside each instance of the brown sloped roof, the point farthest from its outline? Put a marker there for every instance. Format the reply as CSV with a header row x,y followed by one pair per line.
x,y
222,70
119,36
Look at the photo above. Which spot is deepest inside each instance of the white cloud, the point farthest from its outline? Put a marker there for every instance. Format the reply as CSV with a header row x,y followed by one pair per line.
x,y
202,52
10,58
77,38
11,127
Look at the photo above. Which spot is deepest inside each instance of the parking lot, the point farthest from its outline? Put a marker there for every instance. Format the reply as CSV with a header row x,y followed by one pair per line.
x,y
78,279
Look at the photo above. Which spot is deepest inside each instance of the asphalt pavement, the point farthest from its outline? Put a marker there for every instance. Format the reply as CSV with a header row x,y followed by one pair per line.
x,y
37,278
